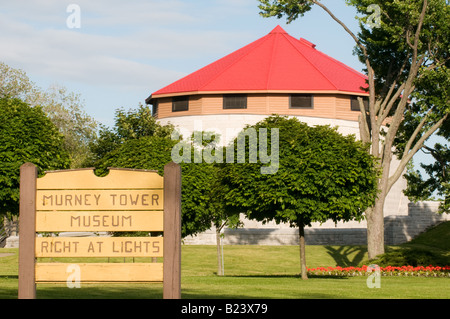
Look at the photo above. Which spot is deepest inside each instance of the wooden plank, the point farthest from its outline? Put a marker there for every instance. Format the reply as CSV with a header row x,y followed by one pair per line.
x,y
150,199
99,221
86,179
99,272
99,247
172,231
27,213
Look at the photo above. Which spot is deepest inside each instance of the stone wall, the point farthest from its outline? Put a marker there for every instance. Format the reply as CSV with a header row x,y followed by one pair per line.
x,y
283,236
398,229
421,215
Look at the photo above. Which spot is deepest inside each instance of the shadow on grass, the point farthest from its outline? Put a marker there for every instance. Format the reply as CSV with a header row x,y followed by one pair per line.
x,y
346,256
192,294
96,292
285,276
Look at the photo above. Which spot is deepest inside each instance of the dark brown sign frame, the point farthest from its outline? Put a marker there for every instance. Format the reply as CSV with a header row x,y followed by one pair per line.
x,y
171,229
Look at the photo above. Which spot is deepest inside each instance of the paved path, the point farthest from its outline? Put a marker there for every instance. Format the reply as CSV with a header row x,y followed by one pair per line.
x,y
6,254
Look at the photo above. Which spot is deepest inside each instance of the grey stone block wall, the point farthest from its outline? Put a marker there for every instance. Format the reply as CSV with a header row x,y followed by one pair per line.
x,y
421,215
283,236
398,229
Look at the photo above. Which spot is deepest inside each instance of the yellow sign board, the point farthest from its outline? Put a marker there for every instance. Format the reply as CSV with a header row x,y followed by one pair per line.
x,y
117,178
125,200
99,247
99,221
58,200
99,272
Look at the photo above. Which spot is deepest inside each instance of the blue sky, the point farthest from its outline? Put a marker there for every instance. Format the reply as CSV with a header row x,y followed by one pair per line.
x,y
125,50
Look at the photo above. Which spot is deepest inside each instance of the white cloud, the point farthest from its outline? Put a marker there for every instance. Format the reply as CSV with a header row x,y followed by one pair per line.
x,y
124,47
133,39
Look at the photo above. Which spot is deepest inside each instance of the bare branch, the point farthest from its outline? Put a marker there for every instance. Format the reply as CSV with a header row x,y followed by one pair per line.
x,y
363,124
408,156
391,90
407,36
390,103
417,131
344,26
418,30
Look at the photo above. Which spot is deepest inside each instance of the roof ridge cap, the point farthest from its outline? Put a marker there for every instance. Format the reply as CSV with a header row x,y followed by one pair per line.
x,y
277,29
274,47
312,64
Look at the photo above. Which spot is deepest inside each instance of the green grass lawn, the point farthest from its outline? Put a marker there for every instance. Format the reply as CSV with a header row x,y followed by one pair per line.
x,y
266,272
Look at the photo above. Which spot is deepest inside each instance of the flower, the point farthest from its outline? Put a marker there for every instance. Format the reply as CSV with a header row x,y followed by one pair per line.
x,y
437,271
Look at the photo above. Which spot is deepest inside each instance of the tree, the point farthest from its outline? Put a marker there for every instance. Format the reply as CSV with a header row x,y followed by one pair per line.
x,y
129,125
406,48
26,135
206,147
138,141
65,110
322,175
434,90
437,181
15,83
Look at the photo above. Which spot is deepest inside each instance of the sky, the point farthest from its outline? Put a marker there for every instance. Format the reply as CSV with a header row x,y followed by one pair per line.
x,y
118,52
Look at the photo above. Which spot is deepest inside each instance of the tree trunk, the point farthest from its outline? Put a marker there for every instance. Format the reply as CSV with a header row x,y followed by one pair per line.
x,y
375,217
220,271
301,237
375,230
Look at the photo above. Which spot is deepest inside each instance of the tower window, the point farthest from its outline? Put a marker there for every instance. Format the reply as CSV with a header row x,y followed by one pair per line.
x,y
355,104
301,101
235,101
155,109
180,103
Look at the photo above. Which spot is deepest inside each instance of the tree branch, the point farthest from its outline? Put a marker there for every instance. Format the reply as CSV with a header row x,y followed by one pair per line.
x,y
417,131
408,156
418,30
344,26
390,104
387,98
364,130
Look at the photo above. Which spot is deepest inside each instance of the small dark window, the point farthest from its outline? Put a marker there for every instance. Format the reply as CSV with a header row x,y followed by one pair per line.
x,y
355,104
180,103
155,109
301,101
235,101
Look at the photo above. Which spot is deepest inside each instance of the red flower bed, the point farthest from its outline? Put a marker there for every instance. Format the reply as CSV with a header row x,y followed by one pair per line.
x,y
434,271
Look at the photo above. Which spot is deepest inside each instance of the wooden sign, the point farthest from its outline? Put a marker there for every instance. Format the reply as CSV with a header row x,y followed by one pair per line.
x,y
99,247
77,200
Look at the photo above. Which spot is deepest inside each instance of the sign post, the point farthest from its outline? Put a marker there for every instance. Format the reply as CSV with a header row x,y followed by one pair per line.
x,y
77,200
27,213
172,224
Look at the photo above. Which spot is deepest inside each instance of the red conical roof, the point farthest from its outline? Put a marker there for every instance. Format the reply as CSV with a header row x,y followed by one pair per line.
x,y
276,62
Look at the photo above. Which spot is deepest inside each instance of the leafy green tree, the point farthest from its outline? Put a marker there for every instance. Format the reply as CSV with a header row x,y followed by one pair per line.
x,y
403,45
206,147
437,180
26,135
15,83
65,110
138,141
322,175
200,203
129,125
433,91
